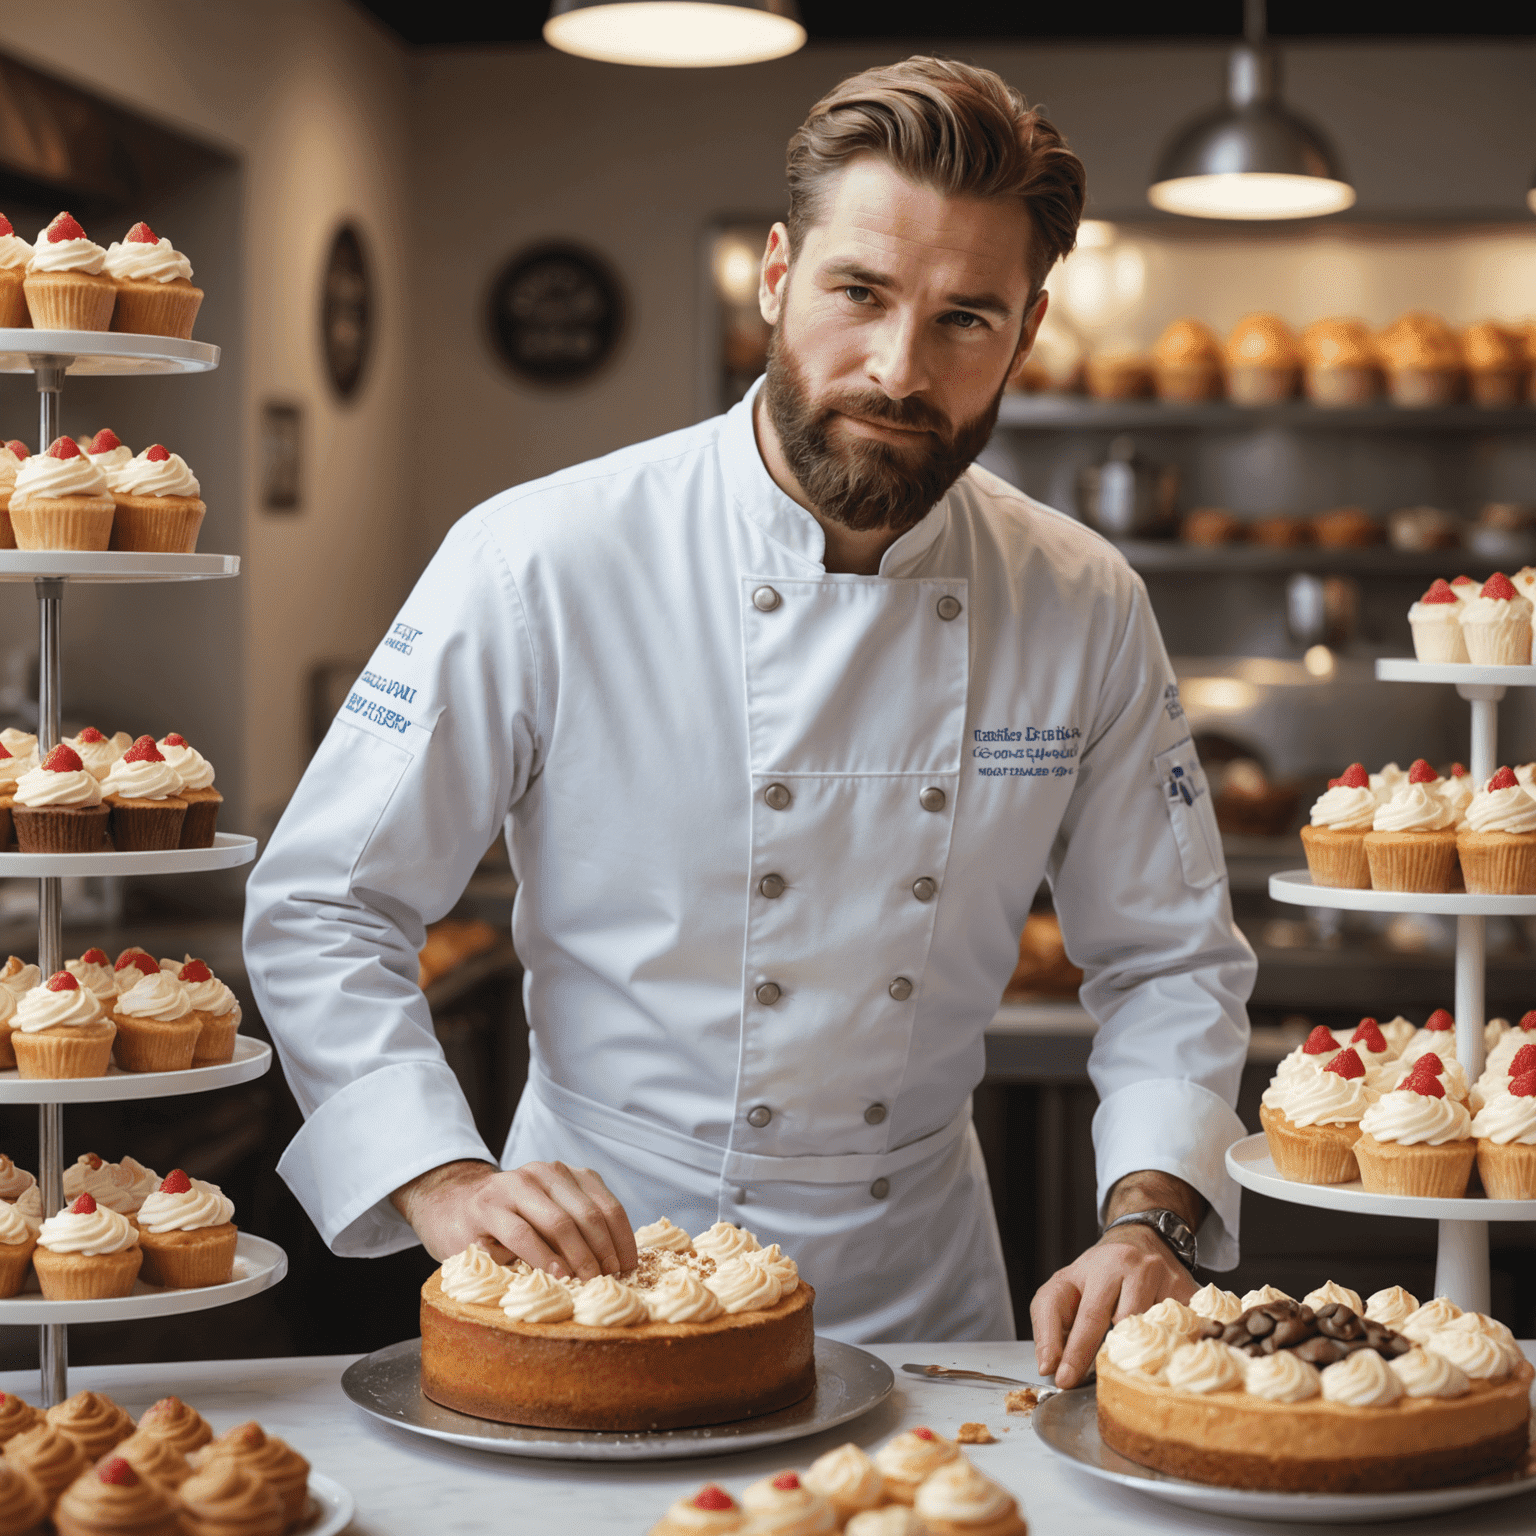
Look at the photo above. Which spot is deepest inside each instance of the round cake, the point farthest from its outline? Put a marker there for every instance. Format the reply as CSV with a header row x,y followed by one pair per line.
x,y
702,1331
1316,1396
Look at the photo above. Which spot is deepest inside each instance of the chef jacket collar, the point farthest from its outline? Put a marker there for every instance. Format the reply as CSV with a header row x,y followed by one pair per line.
x,y
784,520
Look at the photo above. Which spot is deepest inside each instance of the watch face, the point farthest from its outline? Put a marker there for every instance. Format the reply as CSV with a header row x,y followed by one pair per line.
x,y
556,314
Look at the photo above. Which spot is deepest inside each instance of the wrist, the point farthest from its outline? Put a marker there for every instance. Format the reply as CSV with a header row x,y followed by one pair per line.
x,y
412,1196
1161,1231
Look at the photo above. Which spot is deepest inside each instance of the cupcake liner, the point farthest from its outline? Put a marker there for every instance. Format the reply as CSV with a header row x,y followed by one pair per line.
x,y
140,826
7,532
202,818
1411,861
61,522
69,301
163,524
1336,858
1497,386
15,1260
1508,1172
183,1261
1498,863
1310,1154
1434,641
14,313
1193,381
1420,387
5,826
156,309
1342,386
87,1276
59,828
1262,386
216,1040
69,1050
1504,643
154,1045
1439,1173
7,1050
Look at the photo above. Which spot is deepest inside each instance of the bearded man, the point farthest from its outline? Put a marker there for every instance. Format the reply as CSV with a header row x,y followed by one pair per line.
x,y
785,716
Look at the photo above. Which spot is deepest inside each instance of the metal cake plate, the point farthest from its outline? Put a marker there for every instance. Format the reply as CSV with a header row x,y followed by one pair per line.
x,y
1069,1425
387,1384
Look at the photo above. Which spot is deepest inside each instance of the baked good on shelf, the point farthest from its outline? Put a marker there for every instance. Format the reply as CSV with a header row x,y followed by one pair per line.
x,y
11,770
1334,839
107,451
1312,1121
53,1461
172,1420
911,1457
1263,360
122,1187
1347,528
92,1420
1416,1140
1525,582
1339,362
65,287
1457,789
1118,375
7,1025
1412,842
1281,531
959,1500
95,751
1212,525
11,456
57,806
157,1027
17,1240
1497,624
1509,1044
1498,368
1187,362
1497,842
140,789
16,1415
187,1233
61,501
111,1497
1423,359
154,1458
709,1512
155,295
284,1470
131,967
94,972
1417,529
23,1505
158,502
14,1181
87,1251
218,1014
848,1480
1505,1128
15,253
203,800
783,1503
61,1031
225,1498
1436,624
1452,1075
1387,781
1437,1035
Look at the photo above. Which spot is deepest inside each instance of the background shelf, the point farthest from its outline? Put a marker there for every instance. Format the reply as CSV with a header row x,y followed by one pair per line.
x,y
1403,669
1296,888
230,849
1078,412
251,1059
105,353
93,566
1172,557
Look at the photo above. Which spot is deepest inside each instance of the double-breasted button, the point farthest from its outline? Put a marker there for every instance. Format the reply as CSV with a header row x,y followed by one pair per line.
x,y
778,797
925,889
900,989
932,798
771,886
759,1116
768,994
880,1188
765,599
948,607
874,1114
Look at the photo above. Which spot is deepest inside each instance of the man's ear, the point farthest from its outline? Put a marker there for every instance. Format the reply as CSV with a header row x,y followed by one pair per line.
x,y
1027,337
774,274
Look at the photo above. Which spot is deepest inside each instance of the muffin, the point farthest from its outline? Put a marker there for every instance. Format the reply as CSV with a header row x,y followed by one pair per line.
x,y
173,1421
61,1031
203,800
140,789
17,1240
1312,1121
709,1512
107,451
1347,528
53,1461
1412,842
60,501
159,503
1423,360
958,1500
906,1461
1497,842
1339,362
1118,375
1497,366
1436,624
1497,624
218,1014
1334,841
111,1498
1281,531
1416,1140
848,1480
157,1027
93,1421
285,1471
155,296
225,1498
1263,360
187,1234
15,253
1212,525
64,285
1187,362
11,456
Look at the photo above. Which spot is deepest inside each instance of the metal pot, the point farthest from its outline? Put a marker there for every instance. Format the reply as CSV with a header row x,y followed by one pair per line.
x,y
1127,497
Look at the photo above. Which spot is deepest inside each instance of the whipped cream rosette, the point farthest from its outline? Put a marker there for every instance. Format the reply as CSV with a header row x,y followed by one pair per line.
x,y
1436,624
661,1234
1387,781
1264,1295
186,1228
94,972
1391,1307
1497,624
1135,1344
607,1302
1220,1306
1282,1377
107,451
14,1181
61,1030
64,284
910,1458
155,294
679,1296
1361,1380
60,501
783,1506
86,1251
19,743
474,1277
1497,842
537,1297
1334,837
1312,1055
847,1479
1331,1293
96,752
724,1241
959,1499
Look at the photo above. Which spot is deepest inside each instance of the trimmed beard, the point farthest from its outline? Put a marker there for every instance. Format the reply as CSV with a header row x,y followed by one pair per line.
x,y
865,484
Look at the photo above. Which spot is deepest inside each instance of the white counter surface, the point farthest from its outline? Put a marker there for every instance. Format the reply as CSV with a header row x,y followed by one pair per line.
x,y
407,1486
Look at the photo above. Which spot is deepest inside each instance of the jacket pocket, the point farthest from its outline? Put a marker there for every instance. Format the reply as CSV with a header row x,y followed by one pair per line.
x,y
1188,799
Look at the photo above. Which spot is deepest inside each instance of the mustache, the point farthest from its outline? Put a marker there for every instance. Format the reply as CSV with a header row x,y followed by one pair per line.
x,y
913,414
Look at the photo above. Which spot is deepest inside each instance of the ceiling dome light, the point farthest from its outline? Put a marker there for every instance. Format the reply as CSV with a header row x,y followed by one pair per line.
x,y
676,34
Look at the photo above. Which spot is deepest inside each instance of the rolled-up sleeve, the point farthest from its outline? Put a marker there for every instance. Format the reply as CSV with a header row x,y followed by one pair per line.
x,y
413,782
1141,891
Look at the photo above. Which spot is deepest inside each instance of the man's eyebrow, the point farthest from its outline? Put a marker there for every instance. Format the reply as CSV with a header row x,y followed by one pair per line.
x,y
866,277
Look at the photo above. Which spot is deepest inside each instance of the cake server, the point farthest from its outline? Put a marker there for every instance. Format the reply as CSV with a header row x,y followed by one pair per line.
x,y
954,1373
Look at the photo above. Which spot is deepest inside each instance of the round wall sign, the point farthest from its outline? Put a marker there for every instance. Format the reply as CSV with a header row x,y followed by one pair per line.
x,y
346,312
555,314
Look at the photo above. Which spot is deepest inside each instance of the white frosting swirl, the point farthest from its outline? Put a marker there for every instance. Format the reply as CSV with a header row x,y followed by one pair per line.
x,y
1134,1344
1209,1366
96,756
1391,1307
43,787
1398,1032
102,1231
1457,794
194,770
1414,808
1329,1293
1342,809
680,1297
210,997
724,1241
793,1511
1507,1119
537,1297
888,1520
14,1227
1283,1377
1361,1380
139,1181
1218,1305
9,463
126,977
112,458
14,1181
1321,1098
1496,610
41,1009
18,977
7,1009
159,996
1391,1075
14,251
44,475
1301,1060
18,743
608,1303
204,1205
1481,1357
30,1203
1266,1293
474,1277
118,1185
1387,783
143,262
959,1492
1502,810
144,476
1426,1321
846,1476
141,779
779,1265
1424,1373
743,1286
1416,1119
1176,1318
12,768
79,255
95,978
662,1235
910,1457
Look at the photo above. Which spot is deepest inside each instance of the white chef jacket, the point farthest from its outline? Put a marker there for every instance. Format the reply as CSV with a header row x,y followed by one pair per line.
x,y
641,668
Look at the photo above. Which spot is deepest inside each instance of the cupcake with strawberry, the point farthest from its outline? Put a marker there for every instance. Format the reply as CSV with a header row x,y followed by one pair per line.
x,y
1497,624
157,1028
1334,840
141,790
131,967
203,800
61,1030
61,501
107,451
1505,1129
15,253
188,1234
1497,841
1312,1121
1416,1140
11,456
1436,624
95,751
94,972
1412,842
155,295
218,1013
57,807
65,287
86,1252
159,503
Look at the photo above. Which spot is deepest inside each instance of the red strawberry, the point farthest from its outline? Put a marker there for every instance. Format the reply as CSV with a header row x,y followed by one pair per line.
x,y
1355,777
194,970
94,957
143,750
1462,581
1504,779
1524,1086
93,1159
119,1472
63,448
1500,586
923,1432
63,759
105,441
175,739
1440,1019
787,1482
1370,1036
175,1183
157,454
84,1206
139,960
64,227
5,751
1421,772
1428,1065
1527,1020
18,447
1458,770
6,227
1426,1086
713,1496
1347,1064
1319,1042
91,734
141,234
1439,592
63,981
1523,1061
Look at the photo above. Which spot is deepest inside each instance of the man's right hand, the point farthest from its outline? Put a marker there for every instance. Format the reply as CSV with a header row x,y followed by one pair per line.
x,y
563,1220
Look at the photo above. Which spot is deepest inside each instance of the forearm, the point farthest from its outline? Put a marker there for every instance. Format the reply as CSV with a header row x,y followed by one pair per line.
x,y
412,1197
1149,1190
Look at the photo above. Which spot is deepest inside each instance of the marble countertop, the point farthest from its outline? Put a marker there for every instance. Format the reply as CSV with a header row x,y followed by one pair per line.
x,y
408,1486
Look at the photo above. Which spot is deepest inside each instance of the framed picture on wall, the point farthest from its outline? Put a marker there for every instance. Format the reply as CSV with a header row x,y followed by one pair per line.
x,y
282,456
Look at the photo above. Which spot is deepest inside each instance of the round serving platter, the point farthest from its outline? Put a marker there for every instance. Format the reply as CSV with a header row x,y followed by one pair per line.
x,y
1069,1425
387,1384
1295,887
103,353
251,1059
331,1507
229,851
113,566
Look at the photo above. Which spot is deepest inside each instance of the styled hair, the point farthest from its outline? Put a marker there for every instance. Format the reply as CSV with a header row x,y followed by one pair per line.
x,y
960,130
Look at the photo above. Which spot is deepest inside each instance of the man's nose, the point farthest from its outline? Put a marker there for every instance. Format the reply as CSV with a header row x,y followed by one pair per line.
x,y
895,360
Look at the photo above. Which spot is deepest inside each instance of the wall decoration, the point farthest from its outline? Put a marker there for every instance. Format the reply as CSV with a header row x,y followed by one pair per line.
x,y
347,316
282,461
555,314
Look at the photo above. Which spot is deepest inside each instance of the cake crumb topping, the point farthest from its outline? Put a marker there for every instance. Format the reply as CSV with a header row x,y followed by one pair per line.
x,y
976,1434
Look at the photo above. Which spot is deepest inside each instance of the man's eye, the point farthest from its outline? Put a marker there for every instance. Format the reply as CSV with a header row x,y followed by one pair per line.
x,y
858,295
965,321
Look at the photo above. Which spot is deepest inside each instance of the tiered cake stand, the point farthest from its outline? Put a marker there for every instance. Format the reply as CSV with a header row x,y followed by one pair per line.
x,y
49,356
1461,1267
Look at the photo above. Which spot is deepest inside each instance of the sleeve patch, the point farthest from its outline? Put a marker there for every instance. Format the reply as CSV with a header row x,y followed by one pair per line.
x,y
1188,799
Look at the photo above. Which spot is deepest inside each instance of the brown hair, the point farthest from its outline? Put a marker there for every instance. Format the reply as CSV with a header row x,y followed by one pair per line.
x,y
961,130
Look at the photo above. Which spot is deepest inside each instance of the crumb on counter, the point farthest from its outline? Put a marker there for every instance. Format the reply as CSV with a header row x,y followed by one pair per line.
x,y
1025,1400
975,1434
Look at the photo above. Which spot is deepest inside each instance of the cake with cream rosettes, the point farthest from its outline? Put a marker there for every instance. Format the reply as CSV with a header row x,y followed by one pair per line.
x,y
704,1330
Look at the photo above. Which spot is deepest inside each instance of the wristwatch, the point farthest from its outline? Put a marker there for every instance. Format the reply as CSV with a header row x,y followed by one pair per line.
x,y
1169,1226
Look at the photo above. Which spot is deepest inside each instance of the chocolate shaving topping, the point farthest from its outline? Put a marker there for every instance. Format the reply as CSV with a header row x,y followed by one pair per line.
x,y
1319,1338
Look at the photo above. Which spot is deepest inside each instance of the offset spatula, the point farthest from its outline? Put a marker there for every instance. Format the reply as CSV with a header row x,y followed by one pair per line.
x,y
954,1373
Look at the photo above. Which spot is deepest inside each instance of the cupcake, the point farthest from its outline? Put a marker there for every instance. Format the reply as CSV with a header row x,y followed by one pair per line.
x,y
122,1187
1312,1121
1457,790
171,1420
1436,624
1412,842
784,1503
1423,359
187,1234
1334,840
1187,362
1502,1056
1339,363
14,1181
53,1461
1416,1141
1118,375
1347,528
60,501
203,800
17,1240
61,1031
65,287
906,1461
1314,1053
1497,366
1497,624
11,456
709,1512
1497,843
848,1480
15,253
16,1417
157,1027
1524,580
7,1025
96,752
23,1504
131,967
18,977
86,1252
155,296
159,503
284,1470
93,1421
958,1500
159,1461
225,1498
1505,1128
94,972
107,451
218,1014
1263,361
11,770
140,788
57,807
112,1497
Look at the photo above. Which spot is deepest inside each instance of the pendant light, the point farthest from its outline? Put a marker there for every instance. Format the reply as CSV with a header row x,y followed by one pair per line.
x,y
677,34
1252,158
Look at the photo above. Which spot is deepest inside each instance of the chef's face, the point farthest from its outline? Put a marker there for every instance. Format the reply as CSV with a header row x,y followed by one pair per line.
x,y
903,317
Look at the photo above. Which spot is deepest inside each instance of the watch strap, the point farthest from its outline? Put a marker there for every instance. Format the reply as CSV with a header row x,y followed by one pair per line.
x,y
1169,1226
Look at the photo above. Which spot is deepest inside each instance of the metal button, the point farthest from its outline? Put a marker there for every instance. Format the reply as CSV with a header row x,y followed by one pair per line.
x,y
765,599
768,994
880,1188
759,1116
900,989
874,1114
925,889
739,1194
932,798
778,797
771,886
949,607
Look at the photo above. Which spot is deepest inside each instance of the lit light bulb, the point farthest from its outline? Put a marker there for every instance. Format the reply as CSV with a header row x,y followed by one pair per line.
x,y
676,34
1251,195
1319,661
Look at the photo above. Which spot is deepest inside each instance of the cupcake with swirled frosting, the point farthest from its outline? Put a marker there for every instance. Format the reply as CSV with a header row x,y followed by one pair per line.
x,y
111,1497
1334,837
284,1469
155,295
159,503
142,790
228,1499
197,789
847,1479
172,1420
61,501
16,1416
906,1461
709,1512
15,253
57,807
17,1240
156,1458
1497,841
61,1031
1505,1128
188,1234
23,1505
65,286
96,752
1496,624
783,1505
157,1026
53,1461
960,1500
1312,1121
92,1420
1412,842
1416,1140
94,971
87,1252
218,1013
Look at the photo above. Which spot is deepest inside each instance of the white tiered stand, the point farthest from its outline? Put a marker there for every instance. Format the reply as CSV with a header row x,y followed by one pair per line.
x,y
1461,1266
50,355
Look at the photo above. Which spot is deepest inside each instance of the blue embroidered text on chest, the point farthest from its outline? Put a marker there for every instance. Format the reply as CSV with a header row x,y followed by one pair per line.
x,y
1028,751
